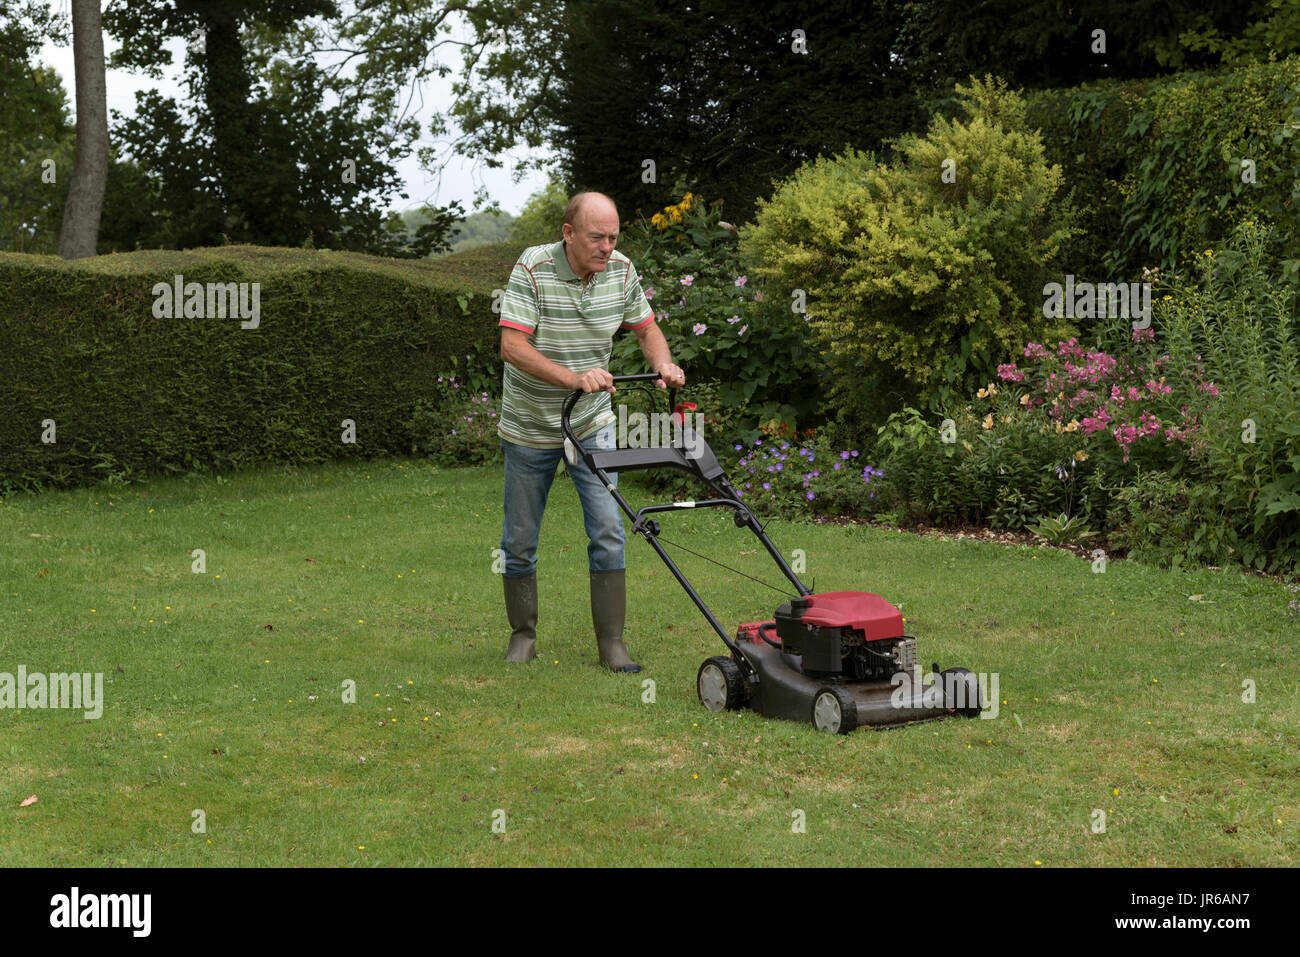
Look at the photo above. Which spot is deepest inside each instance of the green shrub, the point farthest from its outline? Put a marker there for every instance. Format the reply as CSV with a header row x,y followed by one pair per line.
x,y
1235,316
1171,521
1171,150
918,286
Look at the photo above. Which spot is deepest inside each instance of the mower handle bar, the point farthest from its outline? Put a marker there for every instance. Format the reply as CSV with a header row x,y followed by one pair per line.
x,y
573,398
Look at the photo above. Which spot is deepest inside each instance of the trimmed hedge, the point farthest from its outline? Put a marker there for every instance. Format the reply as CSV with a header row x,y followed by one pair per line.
x,y
341,336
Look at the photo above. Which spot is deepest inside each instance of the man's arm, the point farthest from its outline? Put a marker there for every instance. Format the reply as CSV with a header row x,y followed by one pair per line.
x,y
523,355
655,349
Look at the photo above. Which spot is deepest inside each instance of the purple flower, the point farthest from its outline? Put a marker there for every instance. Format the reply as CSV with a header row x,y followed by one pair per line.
x,y
811,496
699,328
687,280
650,293
733,320
844,456
741,280
767,486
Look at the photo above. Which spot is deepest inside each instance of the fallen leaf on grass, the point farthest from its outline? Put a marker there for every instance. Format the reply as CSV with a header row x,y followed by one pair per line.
x,y
28,800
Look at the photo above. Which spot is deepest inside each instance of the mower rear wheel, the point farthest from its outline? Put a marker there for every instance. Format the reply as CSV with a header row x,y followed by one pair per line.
x,y
961,692
720,684
834,711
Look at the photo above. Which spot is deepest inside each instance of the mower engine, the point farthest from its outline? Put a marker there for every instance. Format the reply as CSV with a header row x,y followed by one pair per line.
x,y
855,634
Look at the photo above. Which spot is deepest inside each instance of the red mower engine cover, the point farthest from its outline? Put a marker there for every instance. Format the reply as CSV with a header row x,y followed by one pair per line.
x,y
876,618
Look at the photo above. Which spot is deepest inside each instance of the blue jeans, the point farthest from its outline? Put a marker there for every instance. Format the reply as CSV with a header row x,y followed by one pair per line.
x,y
529,474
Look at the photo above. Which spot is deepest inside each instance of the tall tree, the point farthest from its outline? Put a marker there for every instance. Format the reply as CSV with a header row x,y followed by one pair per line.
x,y
80,230
271,147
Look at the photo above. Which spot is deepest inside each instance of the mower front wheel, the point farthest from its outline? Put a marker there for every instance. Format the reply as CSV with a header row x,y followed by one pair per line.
x,y
834,711
720,684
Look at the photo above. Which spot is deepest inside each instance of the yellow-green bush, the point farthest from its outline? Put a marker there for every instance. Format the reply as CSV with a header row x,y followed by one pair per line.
x,y
922,274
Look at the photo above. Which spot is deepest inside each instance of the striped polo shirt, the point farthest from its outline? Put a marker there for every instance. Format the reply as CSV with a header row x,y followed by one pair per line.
x,y
571,323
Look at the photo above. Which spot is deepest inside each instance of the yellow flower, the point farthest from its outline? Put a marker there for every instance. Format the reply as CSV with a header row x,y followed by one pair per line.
x,y
676,215
1059,428
1074,424
659,222
1081,456
1024,399
686,200
988,421
1209,252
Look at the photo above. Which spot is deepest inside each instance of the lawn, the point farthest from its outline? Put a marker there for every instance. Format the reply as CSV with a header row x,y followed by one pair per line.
x,y
227,737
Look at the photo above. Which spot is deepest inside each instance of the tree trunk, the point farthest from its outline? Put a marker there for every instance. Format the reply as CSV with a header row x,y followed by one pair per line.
x,y
81,214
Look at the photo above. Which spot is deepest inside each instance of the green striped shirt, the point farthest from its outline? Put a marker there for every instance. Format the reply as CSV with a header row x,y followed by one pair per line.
x,y
571,323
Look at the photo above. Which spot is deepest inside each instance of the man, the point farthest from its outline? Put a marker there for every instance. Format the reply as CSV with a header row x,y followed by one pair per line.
x,y
562,307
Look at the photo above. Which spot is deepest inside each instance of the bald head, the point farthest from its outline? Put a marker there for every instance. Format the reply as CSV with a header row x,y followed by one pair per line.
x,y
588,205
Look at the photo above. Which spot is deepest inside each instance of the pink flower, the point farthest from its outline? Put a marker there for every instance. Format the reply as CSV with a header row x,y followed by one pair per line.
x,y
1070,348
1009,373
699,328
741,280
687,280
650,293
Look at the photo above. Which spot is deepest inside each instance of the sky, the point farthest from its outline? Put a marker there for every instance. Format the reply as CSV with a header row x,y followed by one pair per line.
x,y
460,178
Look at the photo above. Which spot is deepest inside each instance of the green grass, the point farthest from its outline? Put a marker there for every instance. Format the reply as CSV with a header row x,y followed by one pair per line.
x,y
381,574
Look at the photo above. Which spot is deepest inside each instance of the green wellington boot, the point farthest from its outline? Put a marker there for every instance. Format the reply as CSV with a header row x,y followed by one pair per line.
x,y
521,610
608,611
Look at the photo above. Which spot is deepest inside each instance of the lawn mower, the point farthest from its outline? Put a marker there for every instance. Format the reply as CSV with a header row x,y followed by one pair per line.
x,y
839,659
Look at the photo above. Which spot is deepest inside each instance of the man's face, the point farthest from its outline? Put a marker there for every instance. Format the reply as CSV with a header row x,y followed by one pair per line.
x,y
591,238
